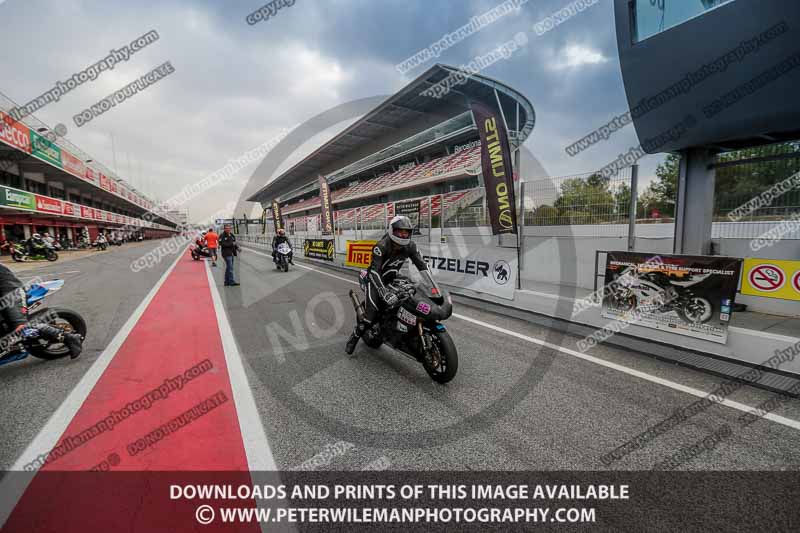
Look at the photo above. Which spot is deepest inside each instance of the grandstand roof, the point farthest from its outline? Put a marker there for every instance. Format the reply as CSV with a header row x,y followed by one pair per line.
x,y
394,115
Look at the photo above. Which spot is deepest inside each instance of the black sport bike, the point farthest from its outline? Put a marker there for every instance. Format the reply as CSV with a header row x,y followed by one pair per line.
x,y
413,325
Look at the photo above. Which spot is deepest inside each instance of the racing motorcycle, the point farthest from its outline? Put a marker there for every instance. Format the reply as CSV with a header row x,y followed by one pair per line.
x,y
100,244
199,253
282,256
70,321
413,325
658,292
19,253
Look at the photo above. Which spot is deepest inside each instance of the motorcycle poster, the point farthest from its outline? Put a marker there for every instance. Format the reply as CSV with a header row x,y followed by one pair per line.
x,y
411,209
687,295
319,249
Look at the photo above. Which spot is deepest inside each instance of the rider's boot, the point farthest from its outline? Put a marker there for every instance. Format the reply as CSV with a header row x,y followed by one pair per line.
x,y
358,331
72,341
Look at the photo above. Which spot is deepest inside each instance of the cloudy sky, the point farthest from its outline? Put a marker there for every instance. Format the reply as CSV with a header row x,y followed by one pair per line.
x,y
236,85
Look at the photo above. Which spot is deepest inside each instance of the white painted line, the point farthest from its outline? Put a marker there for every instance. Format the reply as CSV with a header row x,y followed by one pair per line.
x,y
630,371
48,436
256,445
52,274
764,335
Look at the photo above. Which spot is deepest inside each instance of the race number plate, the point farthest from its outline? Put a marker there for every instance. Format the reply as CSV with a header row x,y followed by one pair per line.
x,y
407,316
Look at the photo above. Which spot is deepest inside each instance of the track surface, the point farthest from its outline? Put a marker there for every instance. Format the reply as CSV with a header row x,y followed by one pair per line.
x,y
514,404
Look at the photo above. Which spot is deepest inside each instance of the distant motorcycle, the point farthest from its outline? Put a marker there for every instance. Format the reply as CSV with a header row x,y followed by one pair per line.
x,y
655,291
413,325
66,319
199,253
100,244
19,253
282,256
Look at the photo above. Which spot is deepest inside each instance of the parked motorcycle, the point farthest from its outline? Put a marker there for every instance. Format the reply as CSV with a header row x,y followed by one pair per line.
x,y
199,253
282,256
66,319
19,253
658,292
413,325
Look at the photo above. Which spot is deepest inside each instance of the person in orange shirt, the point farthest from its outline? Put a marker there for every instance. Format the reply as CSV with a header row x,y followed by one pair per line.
x,y
212,241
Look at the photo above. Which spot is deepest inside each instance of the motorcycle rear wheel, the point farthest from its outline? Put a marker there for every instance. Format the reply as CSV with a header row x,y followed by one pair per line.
x,y
19,258
65,319
445,353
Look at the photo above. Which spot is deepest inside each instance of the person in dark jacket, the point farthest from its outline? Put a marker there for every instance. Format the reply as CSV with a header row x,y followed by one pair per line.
x,y
229,250
11,300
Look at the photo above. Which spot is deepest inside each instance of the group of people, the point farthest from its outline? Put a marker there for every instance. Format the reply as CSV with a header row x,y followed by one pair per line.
x,y
227,246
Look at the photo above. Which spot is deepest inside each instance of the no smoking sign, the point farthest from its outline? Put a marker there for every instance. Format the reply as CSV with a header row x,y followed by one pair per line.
x,y
767,278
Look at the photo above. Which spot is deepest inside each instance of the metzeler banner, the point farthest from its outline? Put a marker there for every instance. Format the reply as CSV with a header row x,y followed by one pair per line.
x,y
489,270
319,249
326,220
498,176
276,215
687,295
409,208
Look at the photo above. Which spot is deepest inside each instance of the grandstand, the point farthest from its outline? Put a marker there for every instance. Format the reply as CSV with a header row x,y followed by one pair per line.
x,y
411,146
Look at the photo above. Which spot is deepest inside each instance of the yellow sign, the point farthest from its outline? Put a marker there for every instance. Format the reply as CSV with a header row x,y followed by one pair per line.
x,y
359,253
771,278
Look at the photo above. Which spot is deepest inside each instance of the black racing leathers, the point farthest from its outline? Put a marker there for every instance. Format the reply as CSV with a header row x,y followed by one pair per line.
x,y
11,302
387,260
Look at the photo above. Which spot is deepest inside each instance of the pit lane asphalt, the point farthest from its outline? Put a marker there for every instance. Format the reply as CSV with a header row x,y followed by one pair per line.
x,y
103,289
563,414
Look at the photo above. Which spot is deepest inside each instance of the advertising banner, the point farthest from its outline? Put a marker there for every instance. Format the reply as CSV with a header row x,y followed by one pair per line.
x,y
73,165
15,133
20,199
409,208
87,212
104,182
326,220
276,215
91,175
687,295
49,205
71,209
359,253
771,278
497,169
489,270
44,149
319,249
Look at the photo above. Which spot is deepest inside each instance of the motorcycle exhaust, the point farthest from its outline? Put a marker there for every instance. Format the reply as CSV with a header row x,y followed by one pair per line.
x,y
357,305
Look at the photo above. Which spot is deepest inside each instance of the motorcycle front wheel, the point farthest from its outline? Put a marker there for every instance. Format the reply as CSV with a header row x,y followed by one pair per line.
x,y
19,258
66,319
442,364
52,255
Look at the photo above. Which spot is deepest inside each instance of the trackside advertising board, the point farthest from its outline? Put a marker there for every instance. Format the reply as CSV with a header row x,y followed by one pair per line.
x,y
687,295
485,269
359,253
326,213
19,199
771,278
45,150
319,249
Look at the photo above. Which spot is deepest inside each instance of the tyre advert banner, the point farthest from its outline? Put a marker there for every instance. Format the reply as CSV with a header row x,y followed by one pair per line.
x,y
319,249
359,253
688,295
771,278
326,212
489,270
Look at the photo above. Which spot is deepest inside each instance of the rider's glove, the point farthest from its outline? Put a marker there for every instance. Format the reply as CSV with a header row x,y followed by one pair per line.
x,y
390,298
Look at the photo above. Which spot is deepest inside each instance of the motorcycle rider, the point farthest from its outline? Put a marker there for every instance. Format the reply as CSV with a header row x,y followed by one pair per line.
x,y
10,312
388,257
279,239
35,245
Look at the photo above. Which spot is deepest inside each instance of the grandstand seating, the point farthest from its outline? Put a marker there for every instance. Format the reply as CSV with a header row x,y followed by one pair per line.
x,y
462,161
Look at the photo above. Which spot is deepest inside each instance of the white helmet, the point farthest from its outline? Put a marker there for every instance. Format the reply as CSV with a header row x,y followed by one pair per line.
x,y
399,224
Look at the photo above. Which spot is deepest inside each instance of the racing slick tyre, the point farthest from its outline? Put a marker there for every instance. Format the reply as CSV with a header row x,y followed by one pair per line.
x,y
443,363
51,255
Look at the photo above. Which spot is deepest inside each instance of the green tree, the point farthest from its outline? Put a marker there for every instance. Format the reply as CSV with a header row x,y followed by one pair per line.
x,y
585,200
